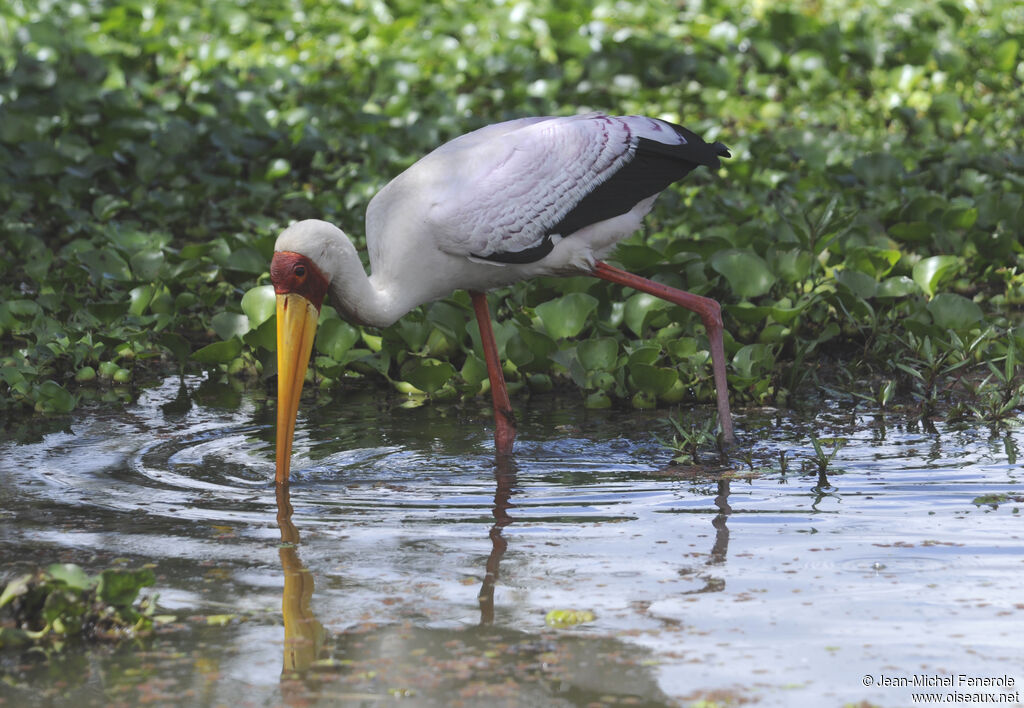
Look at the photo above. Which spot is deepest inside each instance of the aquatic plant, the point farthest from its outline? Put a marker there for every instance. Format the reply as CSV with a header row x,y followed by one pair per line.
x,y
63,602
870,214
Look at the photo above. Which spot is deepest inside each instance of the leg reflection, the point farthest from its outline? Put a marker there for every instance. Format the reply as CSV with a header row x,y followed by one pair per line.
x,y
504,482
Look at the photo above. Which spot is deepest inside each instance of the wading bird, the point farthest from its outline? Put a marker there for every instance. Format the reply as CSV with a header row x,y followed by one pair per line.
x,y
514,200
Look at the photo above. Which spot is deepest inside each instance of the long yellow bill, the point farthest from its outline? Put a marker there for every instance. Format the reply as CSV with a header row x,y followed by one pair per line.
x,y
296,326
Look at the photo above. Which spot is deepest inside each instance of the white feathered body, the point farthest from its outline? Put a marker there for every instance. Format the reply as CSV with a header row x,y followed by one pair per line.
x,y
487,209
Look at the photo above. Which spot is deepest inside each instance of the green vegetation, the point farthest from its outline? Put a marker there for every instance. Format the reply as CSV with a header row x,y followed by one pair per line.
x,y
865,235
63,602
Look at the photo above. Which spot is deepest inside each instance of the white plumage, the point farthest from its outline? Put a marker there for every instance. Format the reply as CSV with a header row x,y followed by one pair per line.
x,y
497,191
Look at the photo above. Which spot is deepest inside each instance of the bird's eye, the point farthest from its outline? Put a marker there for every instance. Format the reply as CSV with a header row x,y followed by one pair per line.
x,y
300,271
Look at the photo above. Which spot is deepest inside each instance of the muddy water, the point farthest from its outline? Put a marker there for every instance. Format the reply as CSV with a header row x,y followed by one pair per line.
x,y
404,564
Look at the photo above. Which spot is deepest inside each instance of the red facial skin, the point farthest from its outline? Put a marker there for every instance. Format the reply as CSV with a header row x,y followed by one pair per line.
x,y
294,273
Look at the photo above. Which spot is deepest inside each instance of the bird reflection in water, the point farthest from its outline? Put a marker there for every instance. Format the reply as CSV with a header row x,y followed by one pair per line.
x,y
305,639
304,636
504,482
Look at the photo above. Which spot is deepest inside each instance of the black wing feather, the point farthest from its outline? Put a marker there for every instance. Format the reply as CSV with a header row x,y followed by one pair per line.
x,y
654,167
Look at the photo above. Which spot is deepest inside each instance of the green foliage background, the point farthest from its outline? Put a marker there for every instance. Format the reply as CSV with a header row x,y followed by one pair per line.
x,y
872,212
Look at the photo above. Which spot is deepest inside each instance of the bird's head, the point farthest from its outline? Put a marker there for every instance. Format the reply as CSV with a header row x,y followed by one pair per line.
x,y
300,285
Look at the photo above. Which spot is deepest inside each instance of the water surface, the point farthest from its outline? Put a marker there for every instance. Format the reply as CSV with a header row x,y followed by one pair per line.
x,y
404,563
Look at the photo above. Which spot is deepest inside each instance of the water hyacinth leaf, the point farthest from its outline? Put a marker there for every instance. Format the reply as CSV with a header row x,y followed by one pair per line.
x,y
107,206
246,260
540,345
230,324
119,587
793,265
748,313
751,359
263,337
952,311
747,273
15,588
647,354
105,264
146,264
785,315
474,370
429,375
898,286
518,352
259,304
176,344
413,333
1005,55
878,168
335,337
860,284
567,315
639,307
56,398
655,380
930,272
961,217
71,575
598,354
140,298
448,318
277,168
912,231
218,352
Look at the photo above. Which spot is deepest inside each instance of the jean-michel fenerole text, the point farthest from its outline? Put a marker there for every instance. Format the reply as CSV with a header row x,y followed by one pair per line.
x,y
950,680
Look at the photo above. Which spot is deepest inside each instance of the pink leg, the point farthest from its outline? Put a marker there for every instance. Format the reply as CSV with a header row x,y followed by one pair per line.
x,y
710,314
504,418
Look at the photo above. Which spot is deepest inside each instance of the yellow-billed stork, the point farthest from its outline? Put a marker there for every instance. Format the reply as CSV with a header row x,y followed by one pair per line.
x,y
514,200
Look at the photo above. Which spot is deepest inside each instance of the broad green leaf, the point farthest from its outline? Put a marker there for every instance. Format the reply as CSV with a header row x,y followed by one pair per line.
x,y
176,344
259,304
1005,55
898,286
105,264
747,313
335,338
567,315
752,359
474,370
747,273
912,231
247,260
598,354
15,588
878,168
71,575
639,307
961,217
230,324
429,375
105,207
929,272
263,337
119,587
146,265
952,311
277,168
860,284
653,379
218,352
140,298
793,265
57,398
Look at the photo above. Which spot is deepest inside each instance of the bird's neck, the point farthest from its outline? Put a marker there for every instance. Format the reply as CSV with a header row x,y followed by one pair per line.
x,y
356,296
